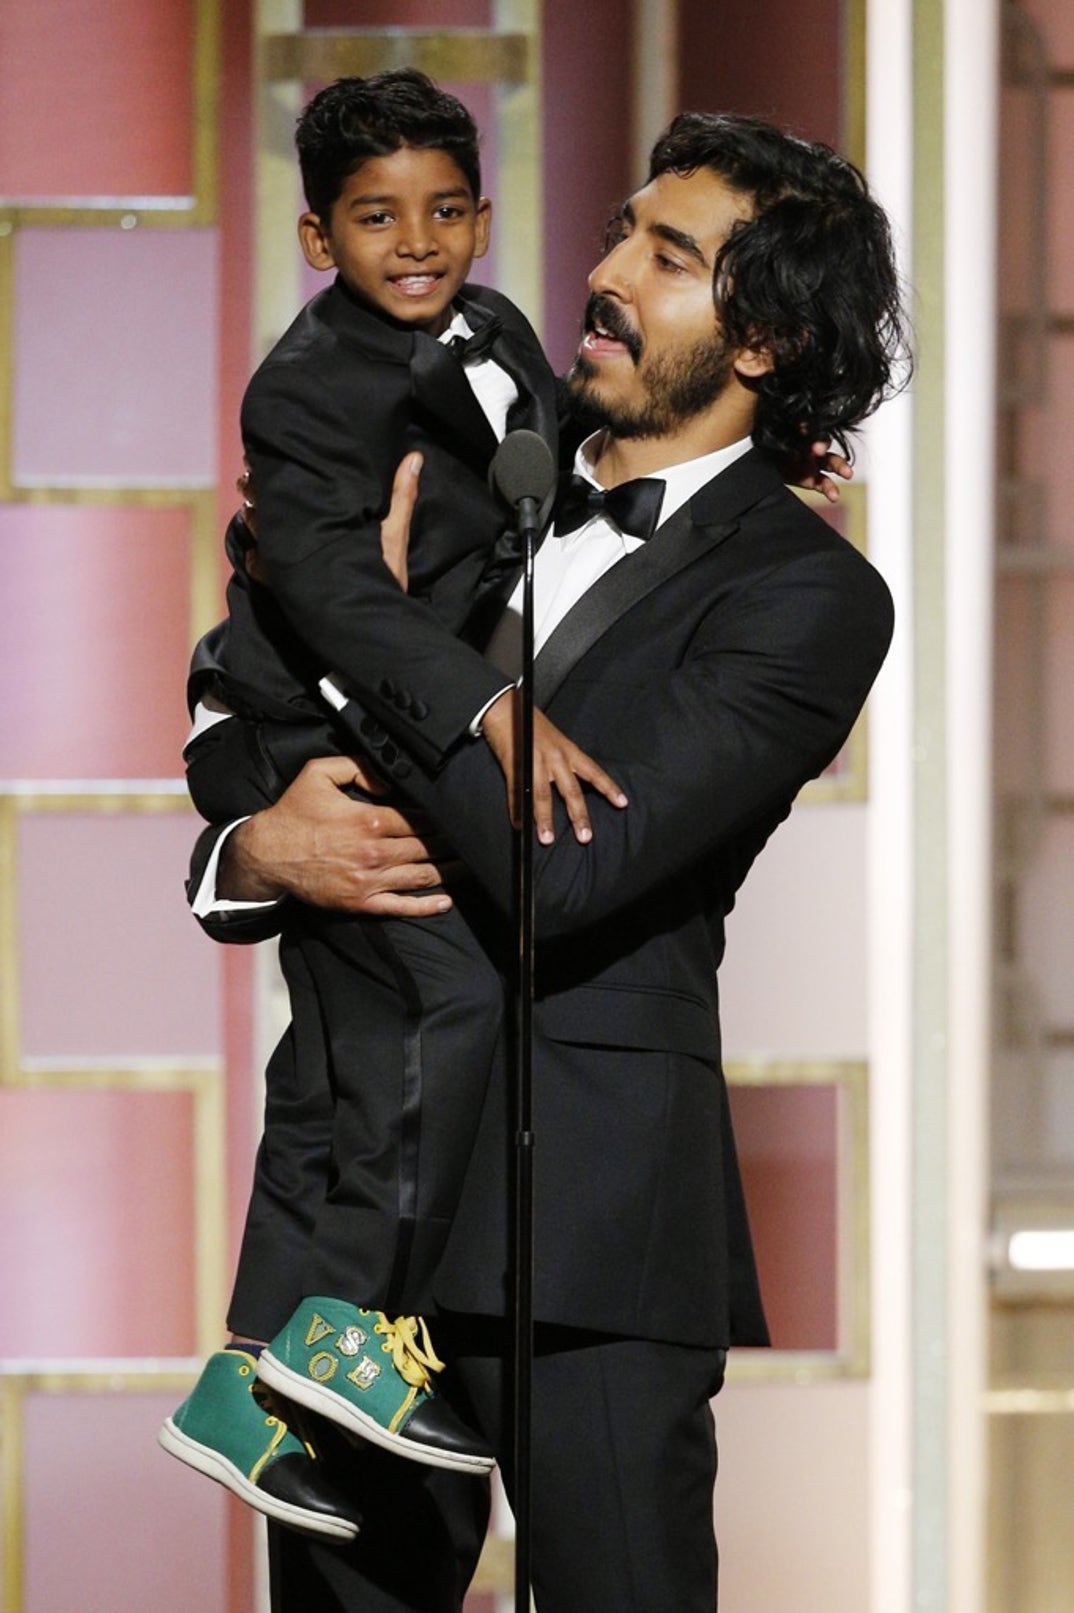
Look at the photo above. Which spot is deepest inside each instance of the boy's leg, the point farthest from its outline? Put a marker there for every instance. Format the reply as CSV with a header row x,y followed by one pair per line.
x,y
412,1013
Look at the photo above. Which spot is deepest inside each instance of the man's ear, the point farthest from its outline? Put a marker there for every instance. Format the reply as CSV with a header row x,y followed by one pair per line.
x,y
753,362
315,242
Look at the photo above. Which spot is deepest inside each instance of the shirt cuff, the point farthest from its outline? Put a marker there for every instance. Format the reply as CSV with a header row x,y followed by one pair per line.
x,y
475,729
206,902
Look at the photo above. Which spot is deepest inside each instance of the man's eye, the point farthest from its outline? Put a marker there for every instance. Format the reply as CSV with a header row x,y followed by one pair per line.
x,y
671,265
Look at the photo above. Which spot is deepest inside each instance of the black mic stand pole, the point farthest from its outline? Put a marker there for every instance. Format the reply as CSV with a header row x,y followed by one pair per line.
x,y
524,1139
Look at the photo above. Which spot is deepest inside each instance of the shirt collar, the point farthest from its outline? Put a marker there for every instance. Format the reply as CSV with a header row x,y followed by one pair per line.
x,y
681,481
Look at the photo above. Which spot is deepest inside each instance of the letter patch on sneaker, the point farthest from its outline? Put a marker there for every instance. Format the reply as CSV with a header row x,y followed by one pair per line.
x,y
318,1329
365,1374
322,1366
351,1340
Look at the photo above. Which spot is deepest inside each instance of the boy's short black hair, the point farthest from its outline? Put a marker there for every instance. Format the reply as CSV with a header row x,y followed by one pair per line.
x,y
357,118
811,276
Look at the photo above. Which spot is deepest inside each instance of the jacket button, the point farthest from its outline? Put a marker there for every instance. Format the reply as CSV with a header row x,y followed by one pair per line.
x,y
419,710
388,753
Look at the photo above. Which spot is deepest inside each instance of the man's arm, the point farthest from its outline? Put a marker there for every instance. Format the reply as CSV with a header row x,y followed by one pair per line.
x,y
763,704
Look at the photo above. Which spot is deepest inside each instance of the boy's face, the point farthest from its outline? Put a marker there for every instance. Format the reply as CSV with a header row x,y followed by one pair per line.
x,y
403,233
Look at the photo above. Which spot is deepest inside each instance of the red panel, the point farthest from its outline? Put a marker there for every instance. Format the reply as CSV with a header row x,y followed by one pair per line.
x,y
788,1150
96,1222
97,99
112,964
426,14
94,641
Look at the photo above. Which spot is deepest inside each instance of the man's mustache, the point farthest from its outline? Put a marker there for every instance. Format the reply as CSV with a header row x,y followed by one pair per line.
x,y
611,319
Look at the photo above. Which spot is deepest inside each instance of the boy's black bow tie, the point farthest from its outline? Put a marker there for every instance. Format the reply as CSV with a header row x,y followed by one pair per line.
x,y
633,506
477,345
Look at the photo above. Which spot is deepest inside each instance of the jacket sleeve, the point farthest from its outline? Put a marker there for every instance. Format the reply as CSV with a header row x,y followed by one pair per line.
x,y
705,752
320,500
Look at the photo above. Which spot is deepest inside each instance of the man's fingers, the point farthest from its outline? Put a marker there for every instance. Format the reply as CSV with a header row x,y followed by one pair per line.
x,y
395,527
592,772
392,904
542,810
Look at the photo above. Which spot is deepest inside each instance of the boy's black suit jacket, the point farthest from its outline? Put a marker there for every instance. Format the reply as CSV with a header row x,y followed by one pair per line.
x,y
326,419
714,671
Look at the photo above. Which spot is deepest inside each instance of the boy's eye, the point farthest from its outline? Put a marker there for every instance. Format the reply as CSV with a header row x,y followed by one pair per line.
x,y
449,210
375,218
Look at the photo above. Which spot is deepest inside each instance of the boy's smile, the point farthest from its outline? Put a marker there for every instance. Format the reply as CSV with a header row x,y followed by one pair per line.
x,y
403,233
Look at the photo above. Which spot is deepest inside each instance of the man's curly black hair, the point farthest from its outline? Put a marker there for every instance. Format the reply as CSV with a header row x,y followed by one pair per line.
x,y
810,277
357,118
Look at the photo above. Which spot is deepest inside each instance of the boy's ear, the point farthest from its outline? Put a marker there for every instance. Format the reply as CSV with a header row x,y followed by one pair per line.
x,y
316,246
482,225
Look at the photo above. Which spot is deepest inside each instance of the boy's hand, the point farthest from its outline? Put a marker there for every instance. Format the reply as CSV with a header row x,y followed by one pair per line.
x,y
395,527
816,474
557,761
319,845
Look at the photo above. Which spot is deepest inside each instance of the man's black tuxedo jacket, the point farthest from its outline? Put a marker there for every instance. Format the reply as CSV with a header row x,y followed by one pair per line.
x,y
714,671
326,419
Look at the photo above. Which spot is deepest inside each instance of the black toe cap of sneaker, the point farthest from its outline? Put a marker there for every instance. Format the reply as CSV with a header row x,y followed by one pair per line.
x,y
436,1425
299,1480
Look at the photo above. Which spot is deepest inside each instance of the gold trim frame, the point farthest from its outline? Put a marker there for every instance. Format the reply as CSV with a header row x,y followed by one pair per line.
x,y
850,1359
129,212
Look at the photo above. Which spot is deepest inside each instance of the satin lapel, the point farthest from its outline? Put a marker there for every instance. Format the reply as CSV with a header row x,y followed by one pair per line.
x,y
444,392
678,542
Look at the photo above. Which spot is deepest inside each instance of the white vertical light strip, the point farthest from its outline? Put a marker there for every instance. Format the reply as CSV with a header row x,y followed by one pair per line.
x,y
890,862
656,77
971,112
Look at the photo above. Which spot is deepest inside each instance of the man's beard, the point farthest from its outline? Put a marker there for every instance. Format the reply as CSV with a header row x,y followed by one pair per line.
x,y
676,387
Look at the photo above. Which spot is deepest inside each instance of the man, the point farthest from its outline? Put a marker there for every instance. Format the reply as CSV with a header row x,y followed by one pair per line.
x,y
748,293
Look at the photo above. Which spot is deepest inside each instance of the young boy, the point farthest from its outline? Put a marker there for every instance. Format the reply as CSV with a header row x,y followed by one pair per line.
x,y
368,1160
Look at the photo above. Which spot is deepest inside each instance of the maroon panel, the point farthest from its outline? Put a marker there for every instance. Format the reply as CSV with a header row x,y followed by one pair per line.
x,y
775,59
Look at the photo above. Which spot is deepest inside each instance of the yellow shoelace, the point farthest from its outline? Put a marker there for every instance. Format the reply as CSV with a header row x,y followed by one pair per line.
x,y
412,1360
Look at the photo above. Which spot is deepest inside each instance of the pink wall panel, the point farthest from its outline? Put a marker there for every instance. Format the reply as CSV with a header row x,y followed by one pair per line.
x,y
1044,450
1061,204
113,965
96,1217
96,99
1060,739
1055,18
94,640
115,357
794,986
788,1149
103,1502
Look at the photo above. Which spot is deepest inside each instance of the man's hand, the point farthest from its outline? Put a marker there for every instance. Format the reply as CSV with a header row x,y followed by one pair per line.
x,y
321,846
395,527
557,761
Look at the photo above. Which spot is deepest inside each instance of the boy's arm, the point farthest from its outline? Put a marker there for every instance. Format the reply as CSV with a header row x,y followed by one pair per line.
x,y
319,506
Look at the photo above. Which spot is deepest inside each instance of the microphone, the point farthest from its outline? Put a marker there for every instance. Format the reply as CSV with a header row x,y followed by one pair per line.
x,y
522,474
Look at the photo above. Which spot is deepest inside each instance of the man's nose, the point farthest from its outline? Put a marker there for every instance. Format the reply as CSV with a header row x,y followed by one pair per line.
x,y
611,277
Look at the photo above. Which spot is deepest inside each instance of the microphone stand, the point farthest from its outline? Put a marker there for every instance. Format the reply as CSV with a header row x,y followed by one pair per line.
x,y
524,1138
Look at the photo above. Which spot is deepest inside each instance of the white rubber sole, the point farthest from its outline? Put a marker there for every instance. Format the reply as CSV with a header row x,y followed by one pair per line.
x,y
317,1397
215,1465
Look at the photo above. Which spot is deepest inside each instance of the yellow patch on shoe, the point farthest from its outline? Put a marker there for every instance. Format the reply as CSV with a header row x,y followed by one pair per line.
x,y
322,1366
351,1340
318,1329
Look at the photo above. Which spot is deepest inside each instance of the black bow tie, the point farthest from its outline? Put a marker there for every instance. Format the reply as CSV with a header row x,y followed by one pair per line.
x,y
477,345
633,506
